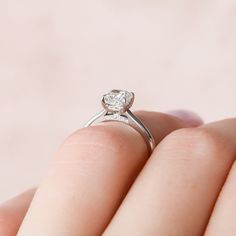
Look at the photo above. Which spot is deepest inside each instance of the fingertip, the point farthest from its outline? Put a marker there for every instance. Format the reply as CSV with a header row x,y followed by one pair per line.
x,y
12,212
189,117
23,197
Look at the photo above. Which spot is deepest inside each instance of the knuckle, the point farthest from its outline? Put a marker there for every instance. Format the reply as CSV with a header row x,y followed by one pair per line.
x,y
194,142
84,143
98,136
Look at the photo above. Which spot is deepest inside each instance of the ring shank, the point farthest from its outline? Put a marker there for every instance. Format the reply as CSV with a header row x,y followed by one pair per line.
x,y
138,125
130,119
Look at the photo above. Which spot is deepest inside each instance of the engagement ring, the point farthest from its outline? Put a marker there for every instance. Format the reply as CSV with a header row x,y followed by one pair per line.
x,y
117,104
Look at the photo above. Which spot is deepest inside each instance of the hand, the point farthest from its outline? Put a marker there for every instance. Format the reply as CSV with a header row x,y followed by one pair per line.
x,y
103,182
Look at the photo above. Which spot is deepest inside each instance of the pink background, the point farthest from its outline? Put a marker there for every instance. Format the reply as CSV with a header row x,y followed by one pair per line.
x,y
58,57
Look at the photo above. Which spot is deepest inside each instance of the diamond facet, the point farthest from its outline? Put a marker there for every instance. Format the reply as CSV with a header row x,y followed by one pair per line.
x,y
118,101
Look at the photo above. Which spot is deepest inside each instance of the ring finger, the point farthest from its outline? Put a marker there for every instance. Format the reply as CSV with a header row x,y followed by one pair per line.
x,y
89,177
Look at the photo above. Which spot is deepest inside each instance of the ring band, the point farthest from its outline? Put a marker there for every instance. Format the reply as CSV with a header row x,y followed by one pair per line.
x,y
116,106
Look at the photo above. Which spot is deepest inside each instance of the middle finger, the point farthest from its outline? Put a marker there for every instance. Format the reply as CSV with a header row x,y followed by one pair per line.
x,y
177,189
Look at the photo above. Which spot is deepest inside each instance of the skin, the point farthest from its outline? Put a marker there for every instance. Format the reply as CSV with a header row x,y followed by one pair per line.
x,y
102,181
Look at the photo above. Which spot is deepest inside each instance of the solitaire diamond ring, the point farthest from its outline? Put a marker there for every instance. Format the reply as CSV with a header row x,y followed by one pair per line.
x,y
116,106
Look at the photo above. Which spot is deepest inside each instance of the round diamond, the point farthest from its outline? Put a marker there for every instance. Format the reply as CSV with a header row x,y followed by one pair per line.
x,y
118,100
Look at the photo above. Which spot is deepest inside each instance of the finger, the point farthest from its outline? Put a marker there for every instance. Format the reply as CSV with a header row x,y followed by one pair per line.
x,y
19,205
189,117
222,221
13,211
90,175
177,188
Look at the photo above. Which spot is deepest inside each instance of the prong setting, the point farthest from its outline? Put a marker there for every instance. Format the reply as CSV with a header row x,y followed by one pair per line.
x,y
118,101
116,105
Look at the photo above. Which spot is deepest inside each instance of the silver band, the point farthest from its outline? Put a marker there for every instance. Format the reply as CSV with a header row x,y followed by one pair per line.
x,y
116,108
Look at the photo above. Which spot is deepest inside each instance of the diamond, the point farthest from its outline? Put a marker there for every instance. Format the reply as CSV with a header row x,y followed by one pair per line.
x,y
118,101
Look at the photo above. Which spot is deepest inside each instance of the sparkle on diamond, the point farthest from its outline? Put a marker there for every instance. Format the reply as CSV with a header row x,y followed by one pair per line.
x,y
117,100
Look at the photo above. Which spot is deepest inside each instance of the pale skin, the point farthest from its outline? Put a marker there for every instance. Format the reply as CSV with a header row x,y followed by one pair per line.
x,y
103,181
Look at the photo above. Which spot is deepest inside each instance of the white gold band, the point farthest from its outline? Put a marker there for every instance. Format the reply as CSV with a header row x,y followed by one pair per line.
x,y
117,104
127,118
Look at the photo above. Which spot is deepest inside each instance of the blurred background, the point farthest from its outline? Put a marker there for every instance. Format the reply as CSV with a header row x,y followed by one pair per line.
x,y
58,57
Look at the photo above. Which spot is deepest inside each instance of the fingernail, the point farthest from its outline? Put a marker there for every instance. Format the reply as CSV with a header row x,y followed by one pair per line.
x,y
189,117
